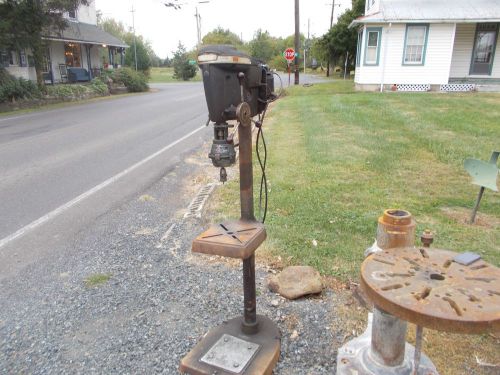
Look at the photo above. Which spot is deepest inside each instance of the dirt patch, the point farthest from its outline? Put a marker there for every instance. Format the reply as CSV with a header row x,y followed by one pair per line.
x,y
462,216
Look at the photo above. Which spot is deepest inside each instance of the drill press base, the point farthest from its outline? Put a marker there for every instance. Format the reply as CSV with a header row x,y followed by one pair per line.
x,y
226,350
355,358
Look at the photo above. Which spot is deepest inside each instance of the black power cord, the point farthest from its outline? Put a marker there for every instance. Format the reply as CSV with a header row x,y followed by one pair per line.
x,y
263,161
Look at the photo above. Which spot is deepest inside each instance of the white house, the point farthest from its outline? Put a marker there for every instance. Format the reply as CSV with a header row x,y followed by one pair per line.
x,y
427,44
76,47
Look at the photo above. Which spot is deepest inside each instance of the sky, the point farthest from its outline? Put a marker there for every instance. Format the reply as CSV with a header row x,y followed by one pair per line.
x,y
165,27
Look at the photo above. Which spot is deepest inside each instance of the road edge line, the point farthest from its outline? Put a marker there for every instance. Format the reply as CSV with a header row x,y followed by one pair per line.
x,y
34,224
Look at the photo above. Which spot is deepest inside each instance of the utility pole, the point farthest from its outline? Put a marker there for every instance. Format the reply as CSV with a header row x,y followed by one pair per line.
x,y
198,22
331,25
133,29
198,26
305,43
297,41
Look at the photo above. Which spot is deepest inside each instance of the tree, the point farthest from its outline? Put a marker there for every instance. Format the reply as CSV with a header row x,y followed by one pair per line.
x,y
143,50
146,57
25,22
222,36
263,46
341,39
182,68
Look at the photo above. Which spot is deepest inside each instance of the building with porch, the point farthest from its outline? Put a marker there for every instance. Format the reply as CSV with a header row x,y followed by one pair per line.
x,y
423,45
72,54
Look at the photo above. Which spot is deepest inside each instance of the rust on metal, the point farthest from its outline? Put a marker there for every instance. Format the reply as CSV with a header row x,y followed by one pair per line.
x,y
432,291
263,362
427,238
396,228
250,325
234,239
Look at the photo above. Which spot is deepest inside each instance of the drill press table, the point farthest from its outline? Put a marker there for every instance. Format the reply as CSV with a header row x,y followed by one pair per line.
x,y
426,287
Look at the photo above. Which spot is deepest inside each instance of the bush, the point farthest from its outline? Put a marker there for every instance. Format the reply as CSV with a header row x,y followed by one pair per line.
x,y
182,68
133,81
99,87
66,92
12,88
78,91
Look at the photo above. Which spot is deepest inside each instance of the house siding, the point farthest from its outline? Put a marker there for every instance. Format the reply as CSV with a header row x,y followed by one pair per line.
x,y
87,13
462,54
372,7
22,72
391,69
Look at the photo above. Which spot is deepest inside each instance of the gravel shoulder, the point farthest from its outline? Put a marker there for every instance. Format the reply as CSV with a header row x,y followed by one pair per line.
x,y
128,296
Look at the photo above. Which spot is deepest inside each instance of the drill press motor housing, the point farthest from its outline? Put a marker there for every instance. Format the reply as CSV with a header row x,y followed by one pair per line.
x,y
231,78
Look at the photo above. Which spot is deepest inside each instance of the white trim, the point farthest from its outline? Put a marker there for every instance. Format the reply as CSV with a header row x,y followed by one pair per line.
x,y
83,42
384,59
443,20
451,49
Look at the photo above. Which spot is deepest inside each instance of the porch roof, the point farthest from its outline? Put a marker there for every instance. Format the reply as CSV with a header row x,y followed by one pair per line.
x,y
433,11
85,33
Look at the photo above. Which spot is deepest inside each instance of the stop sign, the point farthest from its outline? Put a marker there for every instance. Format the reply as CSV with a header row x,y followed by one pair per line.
x,y
289,54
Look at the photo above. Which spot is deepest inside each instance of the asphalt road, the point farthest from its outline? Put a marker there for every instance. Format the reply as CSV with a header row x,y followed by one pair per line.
x,y
62,168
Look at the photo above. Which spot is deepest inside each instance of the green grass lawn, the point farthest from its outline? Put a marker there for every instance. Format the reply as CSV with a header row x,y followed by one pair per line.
x,y
338,158
166,75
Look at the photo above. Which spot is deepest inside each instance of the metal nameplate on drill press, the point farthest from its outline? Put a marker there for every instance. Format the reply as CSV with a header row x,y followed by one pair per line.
x,y
231,354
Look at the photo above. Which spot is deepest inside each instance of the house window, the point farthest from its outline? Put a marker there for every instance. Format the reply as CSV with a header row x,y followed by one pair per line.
x,y
72,53
72,14
4,58
23,61
372,45
358,48
415,44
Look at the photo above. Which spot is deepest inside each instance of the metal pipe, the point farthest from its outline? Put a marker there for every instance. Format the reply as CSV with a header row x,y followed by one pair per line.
x,y
418,348
246,172
476,205
250,324
388,338
396,228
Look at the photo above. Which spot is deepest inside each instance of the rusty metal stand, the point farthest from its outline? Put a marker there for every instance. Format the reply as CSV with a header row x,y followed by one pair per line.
x,y
382,349
365,354
423,286
248,344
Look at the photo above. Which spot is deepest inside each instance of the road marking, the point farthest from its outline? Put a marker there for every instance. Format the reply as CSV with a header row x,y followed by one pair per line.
x,y
88,193
166,236
198,202
27,115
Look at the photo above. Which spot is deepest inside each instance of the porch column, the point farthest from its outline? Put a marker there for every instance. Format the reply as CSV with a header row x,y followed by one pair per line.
x,y
89,60
122,56
110,55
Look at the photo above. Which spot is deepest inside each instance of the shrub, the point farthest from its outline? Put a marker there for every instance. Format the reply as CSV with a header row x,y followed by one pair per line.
x,y
12,88
133,81
66,92
182,68
99,87
77,91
